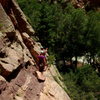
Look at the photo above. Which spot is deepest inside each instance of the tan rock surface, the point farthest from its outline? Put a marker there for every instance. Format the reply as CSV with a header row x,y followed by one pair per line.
x,y
3,84
24,87
52,90
18,61
5,22
2,78
21,19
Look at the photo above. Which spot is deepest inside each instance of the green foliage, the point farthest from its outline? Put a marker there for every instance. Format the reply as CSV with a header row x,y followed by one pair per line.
x,y
68,32
76,33
32,9
93,33
1,25
51,59
83,84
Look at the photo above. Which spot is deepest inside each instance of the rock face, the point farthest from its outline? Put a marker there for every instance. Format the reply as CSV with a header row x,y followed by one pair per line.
x,y
18,60
6,24
52,90
21,19
86,3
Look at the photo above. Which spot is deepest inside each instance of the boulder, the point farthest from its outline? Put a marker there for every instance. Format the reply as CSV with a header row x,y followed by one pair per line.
x,y
13,56
40,76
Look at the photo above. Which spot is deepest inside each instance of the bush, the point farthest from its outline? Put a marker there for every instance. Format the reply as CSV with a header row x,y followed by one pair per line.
x,y
83,84
51,59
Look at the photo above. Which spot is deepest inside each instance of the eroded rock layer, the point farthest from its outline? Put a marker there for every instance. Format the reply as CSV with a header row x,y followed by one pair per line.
x,y
18,59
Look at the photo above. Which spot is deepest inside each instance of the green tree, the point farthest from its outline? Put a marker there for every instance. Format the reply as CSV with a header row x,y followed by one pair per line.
x,y
32,9
67,32
93,35
83,84
75,29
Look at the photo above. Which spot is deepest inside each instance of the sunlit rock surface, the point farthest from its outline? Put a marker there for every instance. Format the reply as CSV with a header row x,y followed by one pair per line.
x,y
18,80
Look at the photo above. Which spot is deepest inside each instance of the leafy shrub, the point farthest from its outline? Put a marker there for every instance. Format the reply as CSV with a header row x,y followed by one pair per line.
x,y
84,84
51,59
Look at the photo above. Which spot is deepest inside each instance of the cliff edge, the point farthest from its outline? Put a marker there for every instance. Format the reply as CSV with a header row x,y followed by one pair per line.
x,y
18,80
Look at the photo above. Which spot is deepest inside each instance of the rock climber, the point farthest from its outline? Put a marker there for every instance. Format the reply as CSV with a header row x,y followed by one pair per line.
x,y
42,60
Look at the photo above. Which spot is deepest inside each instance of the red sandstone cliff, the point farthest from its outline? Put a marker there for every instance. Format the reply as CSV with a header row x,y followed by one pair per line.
x,y
18,79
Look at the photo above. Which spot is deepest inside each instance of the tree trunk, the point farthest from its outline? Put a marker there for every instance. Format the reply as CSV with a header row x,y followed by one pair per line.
x,y
64,61
71,63
75,61
75,64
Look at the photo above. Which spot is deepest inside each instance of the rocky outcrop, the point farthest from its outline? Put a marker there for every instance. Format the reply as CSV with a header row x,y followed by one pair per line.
x,y
53,87
5,3
5,23
3,84
23,25
87,4
13,51
18,60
